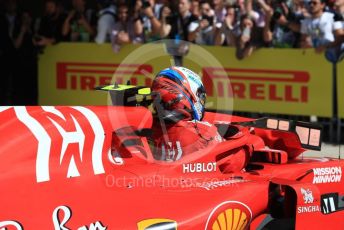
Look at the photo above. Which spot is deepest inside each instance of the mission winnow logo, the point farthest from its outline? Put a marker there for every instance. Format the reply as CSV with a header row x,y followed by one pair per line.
x,y
327,175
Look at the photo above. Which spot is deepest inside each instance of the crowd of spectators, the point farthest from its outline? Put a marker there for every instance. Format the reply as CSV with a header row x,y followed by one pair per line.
x,y
244,24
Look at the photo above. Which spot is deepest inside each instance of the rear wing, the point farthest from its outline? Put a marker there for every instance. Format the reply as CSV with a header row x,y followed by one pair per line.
x,y
309,134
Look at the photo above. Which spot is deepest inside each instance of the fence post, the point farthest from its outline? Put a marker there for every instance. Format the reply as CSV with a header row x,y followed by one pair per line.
x,y
336,119
332,56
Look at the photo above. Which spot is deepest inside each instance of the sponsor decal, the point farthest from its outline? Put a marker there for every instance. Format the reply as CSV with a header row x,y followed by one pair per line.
x,y
331,202
10,225
327,175
86,76
307,199
159,223
199,167
229,215
307,209
309,136
66,212
60,217
307,196
77,126
257,84
217,184
328,204
253,84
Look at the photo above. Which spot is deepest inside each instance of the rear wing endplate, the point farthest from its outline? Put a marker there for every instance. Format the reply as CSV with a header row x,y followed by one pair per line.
x,y
310,134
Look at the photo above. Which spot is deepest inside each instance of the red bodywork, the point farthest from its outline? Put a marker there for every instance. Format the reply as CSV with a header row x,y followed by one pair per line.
x,y
66,168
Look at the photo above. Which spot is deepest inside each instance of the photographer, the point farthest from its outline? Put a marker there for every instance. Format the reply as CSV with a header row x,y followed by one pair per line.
x,y
282,26
180,22
80,23
148,11
202,31
249,37
225,35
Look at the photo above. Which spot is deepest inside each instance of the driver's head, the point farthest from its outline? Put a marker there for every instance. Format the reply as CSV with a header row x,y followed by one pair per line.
x,y
181,90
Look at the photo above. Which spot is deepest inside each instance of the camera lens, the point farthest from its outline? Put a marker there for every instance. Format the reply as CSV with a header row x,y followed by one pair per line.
x,y
277,14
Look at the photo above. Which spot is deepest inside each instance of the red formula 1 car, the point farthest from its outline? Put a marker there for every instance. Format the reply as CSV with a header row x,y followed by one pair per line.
x,y
92,168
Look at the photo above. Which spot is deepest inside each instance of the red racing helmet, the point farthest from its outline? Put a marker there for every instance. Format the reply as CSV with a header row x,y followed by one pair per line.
x,y
181,90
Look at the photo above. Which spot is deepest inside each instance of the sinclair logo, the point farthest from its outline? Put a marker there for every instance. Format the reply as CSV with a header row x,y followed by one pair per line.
x,y
86,76
257,84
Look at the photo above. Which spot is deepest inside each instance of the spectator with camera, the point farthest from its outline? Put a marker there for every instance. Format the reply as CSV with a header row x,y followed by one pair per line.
x,y
180,22
320,29
249,38
230,27
49,26
201,32
106,21
79,25
255,10
127,29
148,11
278,32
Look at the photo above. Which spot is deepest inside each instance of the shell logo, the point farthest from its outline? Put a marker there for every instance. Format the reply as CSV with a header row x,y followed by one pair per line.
x,y
230,219
157,223
229,215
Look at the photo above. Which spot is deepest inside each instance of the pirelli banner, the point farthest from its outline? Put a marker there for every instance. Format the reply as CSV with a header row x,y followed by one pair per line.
x,y
281,81
69,72
340,88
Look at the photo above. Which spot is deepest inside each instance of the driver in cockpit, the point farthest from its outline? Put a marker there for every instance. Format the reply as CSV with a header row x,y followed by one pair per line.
x,y
180,103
